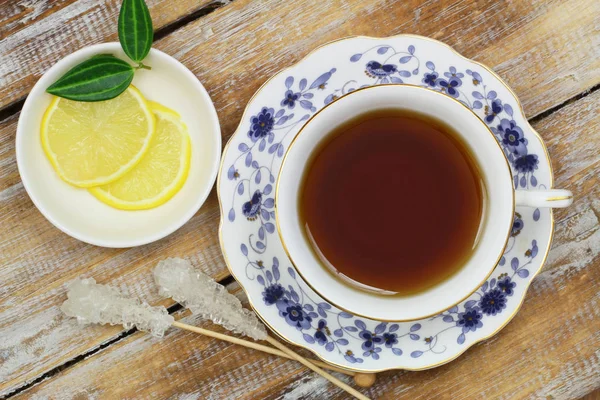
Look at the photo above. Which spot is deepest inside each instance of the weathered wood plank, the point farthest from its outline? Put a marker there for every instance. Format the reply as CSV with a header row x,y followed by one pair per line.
x,y
16,15
592,396
250,41
549,351
35,34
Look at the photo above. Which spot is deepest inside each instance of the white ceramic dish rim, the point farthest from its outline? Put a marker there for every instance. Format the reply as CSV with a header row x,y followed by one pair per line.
x,y
40,87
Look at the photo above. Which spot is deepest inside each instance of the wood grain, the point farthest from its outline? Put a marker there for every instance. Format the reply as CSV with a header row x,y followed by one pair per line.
x,y
18,14
546,57
592,396
35,34
530,43
549,351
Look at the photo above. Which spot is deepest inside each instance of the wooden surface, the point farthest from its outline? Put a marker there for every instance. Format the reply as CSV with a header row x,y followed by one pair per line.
x,y
548,51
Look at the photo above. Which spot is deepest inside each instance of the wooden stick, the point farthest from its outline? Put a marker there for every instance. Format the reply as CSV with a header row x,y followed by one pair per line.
x,y
255,346
364,380
316,369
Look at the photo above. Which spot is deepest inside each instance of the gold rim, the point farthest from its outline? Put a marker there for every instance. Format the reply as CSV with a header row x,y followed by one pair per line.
x,y
559,198
287,252
302,345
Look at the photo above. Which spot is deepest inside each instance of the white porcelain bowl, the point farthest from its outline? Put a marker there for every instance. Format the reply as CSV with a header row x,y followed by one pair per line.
x,y
78,213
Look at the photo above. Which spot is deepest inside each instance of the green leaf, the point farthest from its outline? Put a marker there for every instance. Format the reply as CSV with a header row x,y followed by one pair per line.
x,y
101,55
135,29
102,77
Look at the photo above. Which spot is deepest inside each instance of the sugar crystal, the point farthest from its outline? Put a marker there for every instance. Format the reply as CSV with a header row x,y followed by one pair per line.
x,y
92,303
197,291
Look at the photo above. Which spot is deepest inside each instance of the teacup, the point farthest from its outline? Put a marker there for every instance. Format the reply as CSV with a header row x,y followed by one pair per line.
x,y
499,204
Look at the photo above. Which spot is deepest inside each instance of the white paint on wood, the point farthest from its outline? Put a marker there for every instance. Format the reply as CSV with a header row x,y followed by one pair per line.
x,y
11,191
313,387
574,381
49,32
583,246
188,396
34,9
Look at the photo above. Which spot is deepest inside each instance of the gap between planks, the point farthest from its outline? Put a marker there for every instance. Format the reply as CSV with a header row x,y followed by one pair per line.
x,y
538,117
16,106
49,374
227,281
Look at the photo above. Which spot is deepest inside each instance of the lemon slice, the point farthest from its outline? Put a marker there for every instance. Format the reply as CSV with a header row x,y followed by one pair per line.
x,y
91,144
160,174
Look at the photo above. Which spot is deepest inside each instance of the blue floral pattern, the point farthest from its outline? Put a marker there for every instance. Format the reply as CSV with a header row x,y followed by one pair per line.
x,y
253,163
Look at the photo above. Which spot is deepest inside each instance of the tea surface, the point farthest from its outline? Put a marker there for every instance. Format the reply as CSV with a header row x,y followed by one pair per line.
x,y
393,201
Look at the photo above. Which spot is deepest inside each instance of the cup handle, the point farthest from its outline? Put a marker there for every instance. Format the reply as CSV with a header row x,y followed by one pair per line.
x,y
555,198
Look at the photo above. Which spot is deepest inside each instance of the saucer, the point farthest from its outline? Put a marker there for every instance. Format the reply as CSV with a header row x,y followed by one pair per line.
x,y
79,214
246,187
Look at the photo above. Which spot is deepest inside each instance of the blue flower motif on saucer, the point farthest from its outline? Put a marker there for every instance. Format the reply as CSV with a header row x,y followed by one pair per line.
x,y
322,332
251,208
517,225
526,163
450,86
262,124
470,320
507,286
493,302
390,339
294,314
349,356
512,137
430,79
377,70
370,339
290,99
454,74
493,110
273,293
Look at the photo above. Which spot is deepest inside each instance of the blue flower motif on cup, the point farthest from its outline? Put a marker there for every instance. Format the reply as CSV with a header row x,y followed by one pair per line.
x,y
493,302
470,320
261,124
512,137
